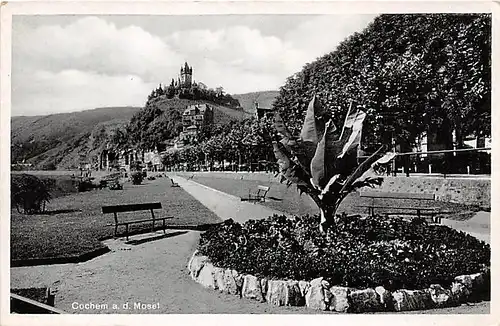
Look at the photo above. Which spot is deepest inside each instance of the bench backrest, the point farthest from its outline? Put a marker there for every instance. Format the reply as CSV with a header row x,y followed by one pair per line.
x,y
263,189
130,207
396,195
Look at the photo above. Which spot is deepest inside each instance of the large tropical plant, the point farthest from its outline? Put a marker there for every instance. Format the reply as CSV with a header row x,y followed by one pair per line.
x,y
322,160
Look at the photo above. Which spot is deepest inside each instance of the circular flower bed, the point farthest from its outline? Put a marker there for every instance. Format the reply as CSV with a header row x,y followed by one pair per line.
x,y
360,253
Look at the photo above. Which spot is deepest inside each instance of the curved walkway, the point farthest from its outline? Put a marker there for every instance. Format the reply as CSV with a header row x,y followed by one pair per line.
x,y
225,205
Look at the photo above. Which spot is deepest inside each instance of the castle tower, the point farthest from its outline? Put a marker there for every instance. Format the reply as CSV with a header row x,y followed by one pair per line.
x,y
186,76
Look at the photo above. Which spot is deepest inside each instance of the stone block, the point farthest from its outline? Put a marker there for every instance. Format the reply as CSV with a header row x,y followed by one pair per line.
x,y
440,296
251,288
409,300
304,286
315,296
340,301
276,292
196,264
206,276
364,301
230,285
284,293
219,279
385,298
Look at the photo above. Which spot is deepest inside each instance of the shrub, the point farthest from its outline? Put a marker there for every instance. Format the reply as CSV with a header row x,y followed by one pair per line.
x,y
29,193
115,185
137,178
84,184
151,178
359,252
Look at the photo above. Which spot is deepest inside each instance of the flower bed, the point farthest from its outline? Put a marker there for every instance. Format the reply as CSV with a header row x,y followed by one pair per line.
x,y
386,261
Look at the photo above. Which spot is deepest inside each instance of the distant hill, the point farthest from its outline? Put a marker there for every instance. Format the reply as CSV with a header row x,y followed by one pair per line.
x,y
64,139
247,100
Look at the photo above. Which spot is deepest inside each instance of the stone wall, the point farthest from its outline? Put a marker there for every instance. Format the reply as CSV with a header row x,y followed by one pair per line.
x,y
463,191
318,294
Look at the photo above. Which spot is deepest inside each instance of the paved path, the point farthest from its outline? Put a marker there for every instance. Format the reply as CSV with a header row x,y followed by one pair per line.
x,y
224,205
478,226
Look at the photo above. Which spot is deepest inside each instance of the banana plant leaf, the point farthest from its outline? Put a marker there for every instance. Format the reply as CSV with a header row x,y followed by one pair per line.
x,y
281,128
318,169
314,123
355,134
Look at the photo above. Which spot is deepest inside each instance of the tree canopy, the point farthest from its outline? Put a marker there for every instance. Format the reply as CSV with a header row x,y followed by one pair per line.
x,y
406,72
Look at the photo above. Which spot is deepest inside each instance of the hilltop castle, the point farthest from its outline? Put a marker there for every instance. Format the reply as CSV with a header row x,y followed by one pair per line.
x,y
185,79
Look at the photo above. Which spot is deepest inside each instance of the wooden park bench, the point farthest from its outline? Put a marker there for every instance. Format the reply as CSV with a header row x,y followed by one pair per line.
x,y
133,208
258,195
174,184
429,213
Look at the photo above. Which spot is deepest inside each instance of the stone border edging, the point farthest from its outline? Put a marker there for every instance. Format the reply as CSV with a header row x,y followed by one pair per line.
x,y
319,295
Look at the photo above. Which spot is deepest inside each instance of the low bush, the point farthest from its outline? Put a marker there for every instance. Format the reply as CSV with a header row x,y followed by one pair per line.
x,y
151,178
115,185
136,178
359,252
29,194
84,185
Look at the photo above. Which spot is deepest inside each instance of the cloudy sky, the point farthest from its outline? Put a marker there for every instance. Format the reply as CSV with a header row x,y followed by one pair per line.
x,y
72,63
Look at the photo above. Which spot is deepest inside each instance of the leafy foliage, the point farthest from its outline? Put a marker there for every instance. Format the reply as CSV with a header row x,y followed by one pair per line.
x,y
85,184
137,177
29,194
193,93
407,72
360,252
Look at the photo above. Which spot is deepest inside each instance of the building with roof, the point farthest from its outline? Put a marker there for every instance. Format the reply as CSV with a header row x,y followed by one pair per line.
x,y
261,112
194,117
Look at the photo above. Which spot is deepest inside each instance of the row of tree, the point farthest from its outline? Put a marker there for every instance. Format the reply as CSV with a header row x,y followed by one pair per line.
x,y
239,142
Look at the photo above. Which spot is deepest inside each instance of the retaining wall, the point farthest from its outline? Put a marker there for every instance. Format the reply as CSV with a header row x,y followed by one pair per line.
x,y
456,190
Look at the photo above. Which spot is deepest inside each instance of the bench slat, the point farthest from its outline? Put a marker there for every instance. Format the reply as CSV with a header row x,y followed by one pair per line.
x,y
400,207
396,195
130,207
142,221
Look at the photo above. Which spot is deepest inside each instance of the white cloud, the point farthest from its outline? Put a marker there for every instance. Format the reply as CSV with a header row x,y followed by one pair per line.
x,y
93,44
89,62
72,90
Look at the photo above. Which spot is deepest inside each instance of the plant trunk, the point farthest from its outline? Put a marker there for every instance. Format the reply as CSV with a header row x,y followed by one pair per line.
x,y
327,217
327,213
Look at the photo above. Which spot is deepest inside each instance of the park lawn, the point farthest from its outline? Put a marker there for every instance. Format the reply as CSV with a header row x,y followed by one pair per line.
x,y
75,223
288,199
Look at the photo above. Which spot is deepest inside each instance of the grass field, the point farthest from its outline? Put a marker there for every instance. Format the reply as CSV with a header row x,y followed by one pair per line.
x,y
74,223
288,199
